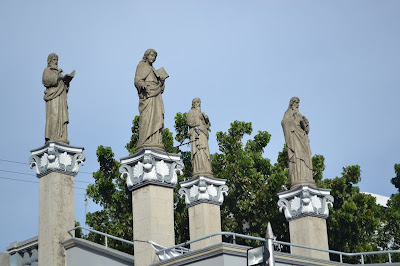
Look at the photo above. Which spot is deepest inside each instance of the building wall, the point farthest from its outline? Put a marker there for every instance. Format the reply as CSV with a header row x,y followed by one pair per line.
x,y
83,256
80,252
4,259
23,252
221,260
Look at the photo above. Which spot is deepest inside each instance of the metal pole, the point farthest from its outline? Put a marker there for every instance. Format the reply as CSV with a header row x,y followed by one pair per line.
x,y
390,258
270,237
86,204
106,241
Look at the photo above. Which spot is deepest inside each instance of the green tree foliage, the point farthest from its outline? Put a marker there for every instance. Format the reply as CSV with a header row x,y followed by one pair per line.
x,y
131,145
392,225
78,232
253,182
356,223
181,212
111,193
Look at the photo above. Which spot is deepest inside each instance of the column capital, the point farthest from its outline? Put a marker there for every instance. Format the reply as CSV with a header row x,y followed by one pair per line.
x,y
305,200
203,189
57,157
151,167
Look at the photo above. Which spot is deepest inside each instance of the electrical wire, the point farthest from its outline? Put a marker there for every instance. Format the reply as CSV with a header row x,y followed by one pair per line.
x,y
10,161
28,181
14,179
13,172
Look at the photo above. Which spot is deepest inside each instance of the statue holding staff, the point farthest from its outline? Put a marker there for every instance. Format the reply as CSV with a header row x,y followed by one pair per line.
x,y
55,96
150,84
296,128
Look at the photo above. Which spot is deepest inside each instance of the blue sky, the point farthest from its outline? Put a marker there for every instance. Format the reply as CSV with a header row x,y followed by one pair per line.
x,y
244,59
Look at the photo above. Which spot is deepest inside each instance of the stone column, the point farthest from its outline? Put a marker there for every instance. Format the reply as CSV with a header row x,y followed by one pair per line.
x,y
204,196
306,209
151,175
56,166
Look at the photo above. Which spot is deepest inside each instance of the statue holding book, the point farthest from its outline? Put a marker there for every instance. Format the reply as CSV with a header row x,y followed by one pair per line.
x,y
296,128
55,96
150,84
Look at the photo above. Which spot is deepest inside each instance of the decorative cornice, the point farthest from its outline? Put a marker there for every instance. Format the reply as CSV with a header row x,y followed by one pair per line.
x,y
305,200
57,157
151,166
23,246
157,154
203,189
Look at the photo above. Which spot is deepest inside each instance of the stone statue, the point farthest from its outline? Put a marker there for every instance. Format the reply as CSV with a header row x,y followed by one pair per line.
x,y
55,95
296,128
199,124
149,83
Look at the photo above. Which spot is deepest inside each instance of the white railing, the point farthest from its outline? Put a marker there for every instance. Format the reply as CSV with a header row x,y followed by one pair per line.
x,y
276,243
181,247
106,236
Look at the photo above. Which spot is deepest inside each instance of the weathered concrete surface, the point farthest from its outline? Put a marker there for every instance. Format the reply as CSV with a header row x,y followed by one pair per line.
x,y
226,254
4,259
56,216
80,252
312,232
153,219
204,220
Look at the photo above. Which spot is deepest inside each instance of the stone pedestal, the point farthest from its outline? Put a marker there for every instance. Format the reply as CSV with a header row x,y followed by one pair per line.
x,y
203,196
204,219
309,231
306,209
151,175
56,216
56,166
153,220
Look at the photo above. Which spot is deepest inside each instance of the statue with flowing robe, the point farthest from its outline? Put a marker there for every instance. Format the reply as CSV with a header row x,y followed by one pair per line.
x,y
199,124
55,96
150,85
296,128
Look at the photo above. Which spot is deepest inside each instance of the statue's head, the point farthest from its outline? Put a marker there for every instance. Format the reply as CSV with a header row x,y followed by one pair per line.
x,y
294,102
150,56
52,60
196,103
